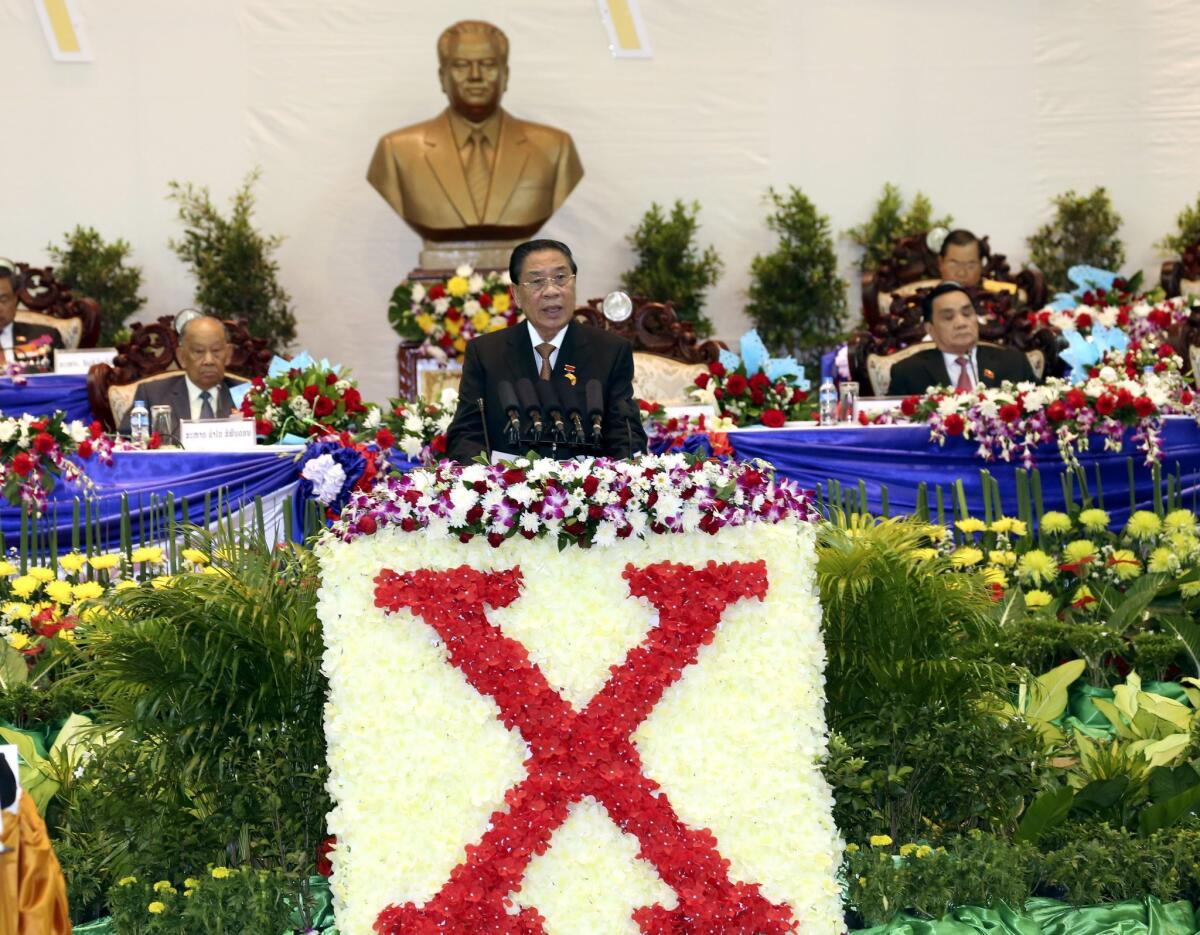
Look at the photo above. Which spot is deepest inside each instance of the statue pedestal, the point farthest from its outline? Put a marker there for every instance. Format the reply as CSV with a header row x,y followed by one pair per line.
x,y
443,257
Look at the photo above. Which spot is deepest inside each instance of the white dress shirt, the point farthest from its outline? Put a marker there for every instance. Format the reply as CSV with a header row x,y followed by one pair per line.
x,y
537,339
196,402
952,367
6,340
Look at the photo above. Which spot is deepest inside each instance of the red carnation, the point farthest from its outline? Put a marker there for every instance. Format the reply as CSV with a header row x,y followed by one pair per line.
x,y
760,381
322,407
1076,399
1165,350
95,430
352,399
247,407
1123,318
702,379
279,396
1159,318
438,444
736,385
44,442
155,441
954,424
445,341
1106,404
798,395
38,424
1056,411
513,476
1083,320
85,449
263,426
774,418
311,392
485,299
1143,406
453,314
1124,397
909,406
1010,412
716,368
757,396
1186,397
436,292
330,379
384,438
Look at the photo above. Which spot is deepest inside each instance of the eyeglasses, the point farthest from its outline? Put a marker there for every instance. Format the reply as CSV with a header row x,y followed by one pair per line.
x,y
559,281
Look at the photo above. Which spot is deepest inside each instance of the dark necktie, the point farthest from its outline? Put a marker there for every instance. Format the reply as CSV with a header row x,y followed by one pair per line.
x,y
965,384
206,409
545,349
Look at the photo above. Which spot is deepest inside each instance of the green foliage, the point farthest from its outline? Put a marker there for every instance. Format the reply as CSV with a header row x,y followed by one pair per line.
x,y
236,274
797,300
1187,231
890,222
1084,230
670,266
91,267
1094,862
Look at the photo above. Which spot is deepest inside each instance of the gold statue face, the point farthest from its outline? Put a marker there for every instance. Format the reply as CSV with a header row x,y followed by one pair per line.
x,y
474,75
546,292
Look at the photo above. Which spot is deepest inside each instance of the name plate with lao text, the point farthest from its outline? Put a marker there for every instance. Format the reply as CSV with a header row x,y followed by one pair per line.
x,y
216,434
10,785
81,361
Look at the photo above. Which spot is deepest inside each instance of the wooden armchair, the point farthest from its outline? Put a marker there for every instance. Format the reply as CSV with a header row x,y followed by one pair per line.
x,y
42,300
912,265
1182,276
901,333
150,354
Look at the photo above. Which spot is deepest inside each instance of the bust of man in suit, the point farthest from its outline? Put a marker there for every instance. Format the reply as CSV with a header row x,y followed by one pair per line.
x,y
202,390
475,172
22,342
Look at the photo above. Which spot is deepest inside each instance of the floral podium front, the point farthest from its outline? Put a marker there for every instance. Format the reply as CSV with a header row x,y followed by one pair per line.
x,y
579,698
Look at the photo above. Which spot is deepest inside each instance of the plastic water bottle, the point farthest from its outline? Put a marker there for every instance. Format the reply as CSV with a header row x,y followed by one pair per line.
x,y
828,398
139,424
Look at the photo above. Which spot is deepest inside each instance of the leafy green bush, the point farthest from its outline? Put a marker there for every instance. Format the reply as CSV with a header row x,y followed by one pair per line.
x,y
89,266
1187,231
890,222
1084,230
797,300
236,276
669,264
1094,862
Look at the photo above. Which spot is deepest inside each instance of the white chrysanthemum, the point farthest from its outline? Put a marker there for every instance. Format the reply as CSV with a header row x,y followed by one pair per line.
x,y
418,292
410,445
414,424
300,407
442,305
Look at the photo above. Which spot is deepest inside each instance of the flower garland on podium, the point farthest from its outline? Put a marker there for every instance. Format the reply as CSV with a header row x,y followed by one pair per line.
x,y
530,736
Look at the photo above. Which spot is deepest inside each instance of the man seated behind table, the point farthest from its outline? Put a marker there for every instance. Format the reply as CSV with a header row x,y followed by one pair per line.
x,y
202,390
548,345
960,260
956,359
20,341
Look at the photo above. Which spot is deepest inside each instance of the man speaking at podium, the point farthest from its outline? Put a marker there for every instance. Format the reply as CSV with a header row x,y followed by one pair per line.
x,y
549,384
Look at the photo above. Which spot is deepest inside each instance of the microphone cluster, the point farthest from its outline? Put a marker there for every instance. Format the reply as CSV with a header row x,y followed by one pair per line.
x,y
537,412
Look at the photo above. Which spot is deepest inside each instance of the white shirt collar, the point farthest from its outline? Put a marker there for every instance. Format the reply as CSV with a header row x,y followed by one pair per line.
x,y
535,339
6,337
952,365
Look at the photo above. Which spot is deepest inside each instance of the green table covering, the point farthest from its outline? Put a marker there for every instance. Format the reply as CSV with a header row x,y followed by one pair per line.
x,y
1146,916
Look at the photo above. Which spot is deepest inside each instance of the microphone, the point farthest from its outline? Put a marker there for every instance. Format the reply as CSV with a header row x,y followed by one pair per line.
x,y
533,411
487,443
512,409
594,393
552,408
629,411
570,397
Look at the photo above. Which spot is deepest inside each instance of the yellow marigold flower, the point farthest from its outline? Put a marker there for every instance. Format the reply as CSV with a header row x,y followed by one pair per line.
x,y
502,302
1009,525
156,908
1035,599
936,533
125,585
1094,520
970,525
164,886
924,851
42,574
995,576
852,848
101,562
922,555
7,568
862,881
1180,521
906,849
126,881
17,640
25,585
1036,566
147,553
191,883
221,873
188,894
425,322
965,557
880,840
1142,525
72,563
1162,561
481,319
16,610
1055,521
1004,558
88,590
60,591
195,556
1079,549
1124,564
458,286
1183,543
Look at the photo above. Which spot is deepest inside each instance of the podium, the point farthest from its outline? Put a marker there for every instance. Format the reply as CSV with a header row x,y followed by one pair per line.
x,y
578,698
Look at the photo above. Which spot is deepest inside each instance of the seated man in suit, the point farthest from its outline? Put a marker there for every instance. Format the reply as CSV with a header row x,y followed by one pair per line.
x,y
960,260
20,342
202,390
956,359
549,345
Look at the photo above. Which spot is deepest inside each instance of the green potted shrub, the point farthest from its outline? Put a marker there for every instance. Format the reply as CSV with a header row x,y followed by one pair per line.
x,y
890,222
90,266
1083,230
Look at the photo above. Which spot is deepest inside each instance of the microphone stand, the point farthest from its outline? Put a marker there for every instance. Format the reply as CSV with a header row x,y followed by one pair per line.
x,y
483,420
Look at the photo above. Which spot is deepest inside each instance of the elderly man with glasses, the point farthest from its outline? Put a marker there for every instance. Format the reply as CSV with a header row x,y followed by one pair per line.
x,y
22,342
552,348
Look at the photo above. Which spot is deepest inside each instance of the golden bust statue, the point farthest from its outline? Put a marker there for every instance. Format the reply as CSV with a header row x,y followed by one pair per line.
x,y
475,172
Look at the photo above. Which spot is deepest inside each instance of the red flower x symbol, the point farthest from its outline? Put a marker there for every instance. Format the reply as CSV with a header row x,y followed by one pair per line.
x,y
578,753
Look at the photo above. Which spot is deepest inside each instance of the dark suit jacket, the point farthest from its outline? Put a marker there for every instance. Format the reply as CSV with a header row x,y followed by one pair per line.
x,y
173,393
928,368
26,332
508,355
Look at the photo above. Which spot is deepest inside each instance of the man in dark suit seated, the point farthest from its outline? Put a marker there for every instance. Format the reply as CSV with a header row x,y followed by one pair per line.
x,y
551,346
202,390
21,342
956,359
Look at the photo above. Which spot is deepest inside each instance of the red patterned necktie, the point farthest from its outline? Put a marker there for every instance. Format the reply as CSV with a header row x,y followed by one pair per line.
x,y
964,384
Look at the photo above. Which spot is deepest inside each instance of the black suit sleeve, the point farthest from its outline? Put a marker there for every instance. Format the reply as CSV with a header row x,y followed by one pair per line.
x,y
624,434
465,436
905,377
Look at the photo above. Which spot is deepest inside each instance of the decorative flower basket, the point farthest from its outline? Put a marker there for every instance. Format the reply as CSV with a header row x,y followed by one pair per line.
x,y
446,315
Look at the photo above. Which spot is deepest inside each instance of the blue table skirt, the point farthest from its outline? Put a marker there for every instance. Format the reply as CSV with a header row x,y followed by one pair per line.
x,y
43,393
901,457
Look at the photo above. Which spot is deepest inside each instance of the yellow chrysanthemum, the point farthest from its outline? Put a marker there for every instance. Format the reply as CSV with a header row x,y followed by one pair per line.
x,y
1162,561
1079,549
125,585
221,873
502,302
498,323
1189,588
126,881
102,562
147,553
1084,599
72,563
425,322
1142,525
164,886
1094,520
1036,566
970,525
191,883
1009,525
880,840
852,848
42,574
1035,599
906,849
156,908
1183,543
481,319
453,326
924,851
25,585
922,555
7,568
995,576
17,640
458,286
1007,559
1125,564
88,590
965,557
60,591
1054,522
17,610
195,556
936,533
460,344
1180,521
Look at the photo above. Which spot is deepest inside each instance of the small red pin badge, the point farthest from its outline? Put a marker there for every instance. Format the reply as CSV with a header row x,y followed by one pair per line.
x,y
987,373
569,373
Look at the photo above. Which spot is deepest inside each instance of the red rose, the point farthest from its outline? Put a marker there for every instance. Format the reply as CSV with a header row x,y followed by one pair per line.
x,y
760,381
954,424
1123,318
736,385
1160,367
1124,397
155,441
1159,318
1165,350
1056,411
44,442
1143,406
453,314
909,406
702,380
38,424
257,383
1186,397
311,392
716,368
352,399
367,525
798,396
1076,399
85,448
279,396
330,379
95,430
263,427
445,341
385,439
1010,412
774,418
1083,320
436,292
863,418
485,299
247,407
513,476
718,394
322,407
757,396
438,444
1106,404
